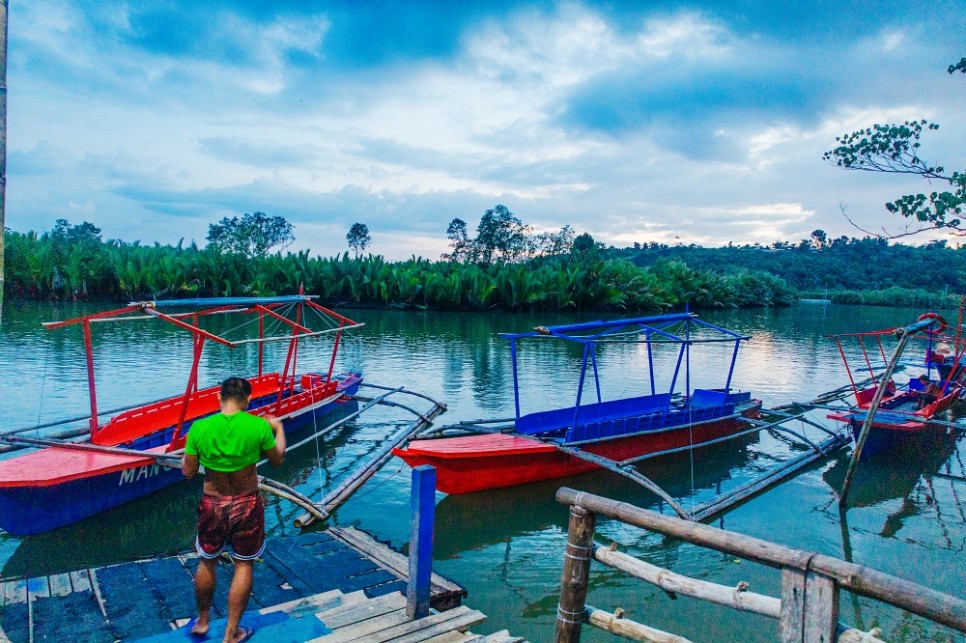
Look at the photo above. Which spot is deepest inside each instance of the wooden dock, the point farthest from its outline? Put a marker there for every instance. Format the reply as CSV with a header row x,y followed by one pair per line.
x,y
334,586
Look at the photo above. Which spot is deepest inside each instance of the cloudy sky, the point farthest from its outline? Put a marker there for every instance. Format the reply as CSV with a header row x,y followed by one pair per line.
x,y
694,122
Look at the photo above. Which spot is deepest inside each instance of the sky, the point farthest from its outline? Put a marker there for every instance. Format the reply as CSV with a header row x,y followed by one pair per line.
x,y
670,122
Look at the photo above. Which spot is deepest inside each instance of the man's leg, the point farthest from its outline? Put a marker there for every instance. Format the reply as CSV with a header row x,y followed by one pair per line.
x,y
238,594
204,593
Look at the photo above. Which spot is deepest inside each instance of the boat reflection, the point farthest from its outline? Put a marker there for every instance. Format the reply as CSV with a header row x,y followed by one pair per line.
x,y
163,522
471,521
879,480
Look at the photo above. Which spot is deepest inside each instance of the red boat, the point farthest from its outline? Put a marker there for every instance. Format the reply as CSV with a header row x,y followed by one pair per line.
x,y
583,437
905,410
138,451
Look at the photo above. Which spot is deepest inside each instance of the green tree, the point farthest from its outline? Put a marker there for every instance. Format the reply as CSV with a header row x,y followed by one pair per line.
x,y
500,235
895,149
253,235
358,238
459,241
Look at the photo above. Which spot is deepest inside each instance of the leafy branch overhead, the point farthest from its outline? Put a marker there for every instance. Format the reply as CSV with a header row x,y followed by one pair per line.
x,y
894,149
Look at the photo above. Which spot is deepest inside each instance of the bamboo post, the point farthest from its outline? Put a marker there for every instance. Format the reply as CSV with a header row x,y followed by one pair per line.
x,y
576,571
423,507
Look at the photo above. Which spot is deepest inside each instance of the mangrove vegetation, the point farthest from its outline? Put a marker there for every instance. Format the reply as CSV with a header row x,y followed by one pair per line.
x,y
504,266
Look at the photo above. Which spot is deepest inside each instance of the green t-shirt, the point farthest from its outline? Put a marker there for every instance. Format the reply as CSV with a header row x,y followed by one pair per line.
x,y
229,442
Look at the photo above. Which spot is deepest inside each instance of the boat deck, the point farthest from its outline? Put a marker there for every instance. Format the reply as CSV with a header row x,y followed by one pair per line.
x,y
337,585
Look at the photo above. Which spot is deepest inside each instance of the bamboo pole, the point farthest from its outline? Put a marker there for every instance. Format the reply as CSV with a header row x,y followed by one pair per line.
x,y
632,474
172,459
617,624
340,494
907,595
573,579
737,597
725,501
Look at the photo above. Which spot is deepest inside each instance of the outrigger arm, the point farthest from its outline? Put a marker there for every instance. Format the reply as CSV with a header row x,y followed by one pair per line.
x,y
630,473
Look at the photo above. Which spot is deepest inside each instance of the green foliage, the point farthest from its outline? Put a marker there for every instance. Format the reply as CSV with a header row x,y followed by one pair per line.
x,y
251,236
71,261
895,149
358,238
649,277
501,238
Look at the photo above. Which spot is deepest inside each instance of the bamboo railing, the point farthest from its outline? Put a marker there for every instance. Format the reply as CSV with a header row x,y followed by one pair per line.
x,y
807,610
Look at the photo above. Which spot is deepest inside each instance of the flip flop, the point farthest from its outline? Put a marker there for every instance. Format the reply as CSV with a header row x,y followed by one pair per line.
x,y
247,633
195,636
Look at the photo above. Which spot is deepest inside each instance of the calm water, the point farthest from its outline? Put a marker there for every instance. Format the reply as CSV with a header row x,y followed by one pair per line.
x,y
506,546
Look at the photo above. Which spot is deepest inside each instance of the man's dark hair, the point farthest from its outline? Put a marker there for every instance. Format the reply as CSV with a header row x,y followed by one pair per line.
x,y
237,389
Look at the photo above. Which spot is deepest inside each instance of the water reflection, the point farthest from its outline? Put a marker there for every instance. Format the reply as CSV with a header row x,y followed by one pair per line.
x,y
506,546
469,521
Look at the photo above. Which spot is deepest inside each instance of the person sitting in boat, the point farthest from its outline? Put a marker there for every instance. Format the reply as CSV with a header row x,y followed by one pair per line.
x,y
231,514
930,391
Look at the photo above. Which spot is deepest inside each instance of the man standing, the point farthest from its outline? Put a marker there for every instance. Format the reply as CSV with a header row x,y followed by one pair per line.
x,y
231,514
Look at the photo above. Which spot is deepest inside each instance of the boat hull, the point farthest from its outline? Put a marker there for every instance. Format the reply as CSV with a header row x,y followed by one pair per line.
x,y
893,428
69,485
491,461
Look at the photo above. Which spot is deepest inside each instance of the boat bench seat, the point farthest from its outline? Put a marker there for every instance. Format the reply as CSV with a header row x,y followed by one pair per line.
x,y
615,427
628,408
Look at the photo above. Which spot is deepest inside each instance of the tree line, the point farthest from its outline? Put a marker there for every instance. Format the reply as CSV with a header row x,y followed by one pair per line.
x,y
563,273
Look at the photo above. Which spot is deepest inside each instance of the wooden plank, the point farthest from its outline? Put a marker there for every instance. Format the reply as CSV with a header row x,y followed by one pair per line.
x,y
821,615
308,604
368,630
389,559
38,587
80,581
370,608
504,636
59,584
791,621
454,637
15,591
97,591
459,618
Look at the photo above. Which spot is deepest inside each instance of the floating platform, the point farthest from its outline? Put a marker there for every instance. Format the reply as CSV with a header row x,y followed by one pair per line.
x,y
336,585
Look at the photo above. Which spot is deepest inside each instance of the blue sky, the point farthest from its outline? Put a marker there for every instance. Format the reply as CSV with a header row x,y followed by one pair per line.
x,y
676,122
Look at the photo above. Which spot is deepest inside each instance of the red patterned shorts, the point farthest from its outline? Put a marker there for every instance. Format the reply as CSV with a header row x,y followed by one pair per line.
x,y
237,522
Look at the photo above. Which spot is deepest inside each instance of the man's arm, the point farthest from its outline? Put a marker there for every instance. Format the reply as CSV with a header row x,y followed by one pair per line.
x,y
276,455
189,466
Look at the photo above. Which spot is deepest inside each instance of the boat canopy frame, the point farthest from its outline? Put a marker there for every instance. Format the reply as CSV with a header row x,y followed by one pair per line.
x,y
203,307
932,338
673,328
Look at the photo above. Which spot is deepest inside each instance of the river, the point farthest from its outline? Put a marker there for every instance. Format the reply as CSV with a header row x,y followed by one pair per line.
x,y
506,546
